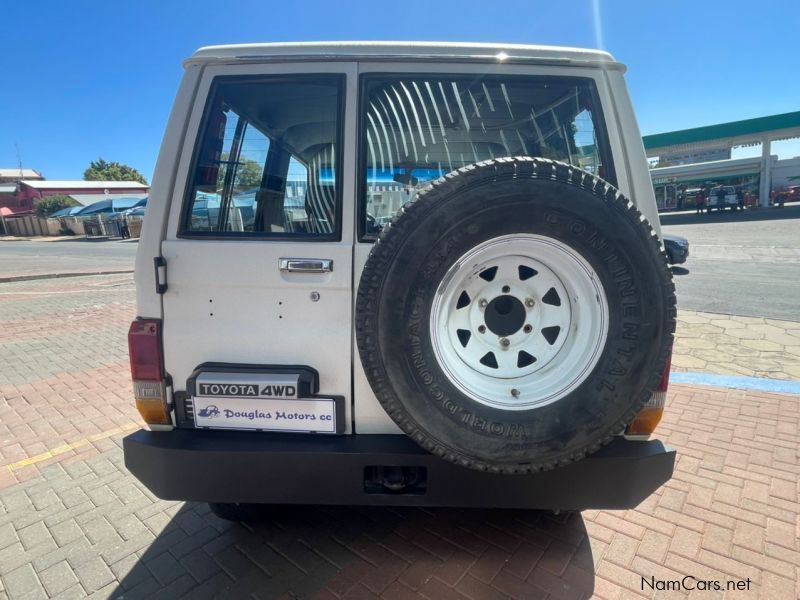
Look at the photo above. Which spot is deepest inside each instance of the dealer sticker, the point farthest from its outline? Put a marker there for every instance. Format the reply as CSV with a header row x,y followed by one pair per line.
x,y
307,415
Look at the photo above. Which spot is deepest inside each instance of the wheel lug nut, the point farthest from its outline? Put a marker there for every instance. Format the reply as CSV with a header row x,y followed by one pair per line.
x,y
527,329
482,303
482,328
506,289
504,342
529,302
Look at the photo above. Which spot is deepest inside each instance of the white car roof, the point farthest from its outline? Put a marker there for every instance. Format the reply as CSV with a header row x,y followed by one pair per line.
x,y
458,51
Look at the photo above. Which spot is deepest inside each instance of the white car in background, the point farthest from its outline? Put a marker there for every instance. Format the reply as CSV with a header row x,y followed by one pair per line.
x,y
721,197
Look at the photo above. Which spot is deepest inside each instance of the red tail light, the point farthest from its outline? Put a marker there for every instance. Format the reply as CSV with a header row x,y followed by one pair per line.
x,y
147,373
649,417
144,345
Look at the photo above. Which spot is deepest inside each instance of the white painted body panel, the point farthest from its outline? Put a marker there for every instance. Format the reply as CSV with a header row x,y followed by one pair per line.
x,y
227,301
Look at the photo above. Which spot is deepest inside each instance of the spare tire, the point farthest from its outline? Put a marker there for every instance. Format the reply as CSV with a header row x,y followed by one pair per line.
x,y
516,315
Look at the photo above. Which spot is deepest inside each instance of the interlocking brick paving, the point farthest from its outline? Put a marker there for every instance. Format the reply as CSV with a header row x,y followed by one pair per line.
x,y
731,512
54,326
64,375
74,523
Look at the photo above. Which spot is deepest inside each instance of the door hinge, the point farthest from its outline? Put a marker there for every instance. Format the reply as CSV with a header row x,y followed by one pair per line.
x,y
161,274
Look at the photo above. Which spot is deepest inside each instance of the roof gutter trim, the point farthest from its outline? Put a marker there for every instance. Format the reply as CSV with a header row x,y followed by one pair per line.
x,y
432,58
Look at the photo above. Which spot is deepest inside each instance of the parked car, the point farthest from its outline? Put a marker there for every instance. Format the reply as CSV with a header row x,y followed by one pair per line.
x,y
676,247
721,197
790,194
504,341
110,206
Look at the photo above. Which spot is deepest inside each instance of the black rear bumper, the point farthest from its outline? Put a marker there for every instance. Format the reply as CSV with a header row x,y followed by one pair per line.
x,y
222,466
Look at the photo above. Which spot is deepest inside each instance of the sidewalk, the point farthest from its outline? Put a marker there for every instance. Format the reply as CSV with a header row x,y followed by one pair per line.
x,y
28,277
38,238
59,238
734,345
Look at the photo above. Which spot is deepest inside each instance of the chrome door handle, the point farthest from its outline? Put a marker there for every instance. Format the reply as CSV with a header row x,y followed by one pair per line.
x,y
307,265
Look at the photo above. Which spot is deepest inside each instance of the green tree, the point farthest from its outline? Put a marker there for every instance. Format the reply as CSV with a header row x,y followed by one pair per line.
x,y
102,170
248,173
50,204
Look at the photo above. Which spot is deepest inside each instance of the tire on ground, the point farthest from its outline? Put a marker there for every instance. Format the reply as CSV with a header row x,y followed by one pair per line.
x,y
449,218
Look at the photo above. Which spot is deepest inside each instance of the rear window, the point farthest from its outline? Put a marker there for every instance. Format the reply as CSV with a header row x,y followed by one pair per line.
x,y
416,128
267,160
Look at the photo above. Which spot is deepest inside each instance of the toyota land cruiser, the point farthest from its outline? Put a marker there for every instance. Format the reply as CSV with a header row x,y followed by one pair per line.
x,y
404,274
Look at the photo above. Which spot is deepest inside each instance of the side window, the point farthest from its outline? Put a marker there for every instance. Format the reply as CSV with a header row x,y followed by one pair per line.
x,y
417,128
267,159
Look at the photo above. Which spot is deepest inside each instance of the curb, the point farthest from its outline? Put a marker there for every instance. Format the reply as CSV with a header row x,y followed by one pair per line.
x,y
14,278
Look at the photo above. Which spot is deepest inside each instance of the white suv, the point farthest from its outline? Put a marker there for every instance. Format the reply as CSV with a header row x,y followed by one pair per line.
x,y
382,273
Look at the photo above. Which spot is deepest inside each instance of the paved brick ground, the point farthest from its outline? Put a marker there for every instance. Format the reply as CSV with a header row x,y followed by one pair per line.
x,y
54,326
64,380
734,345
73,523
731,512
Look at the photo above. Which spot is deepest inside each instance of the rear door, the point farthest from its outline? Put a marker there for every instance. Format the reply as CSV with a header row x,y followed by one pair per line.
x,y
260,238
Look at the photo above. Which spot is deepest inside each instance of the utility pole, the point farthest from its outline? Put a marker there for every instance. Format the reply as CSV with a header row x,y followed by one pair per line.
x,y
19,160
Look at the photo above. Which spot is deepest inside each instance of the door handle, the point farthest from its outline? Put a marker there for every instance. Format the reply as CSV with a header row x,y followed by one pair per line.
x,y
306,265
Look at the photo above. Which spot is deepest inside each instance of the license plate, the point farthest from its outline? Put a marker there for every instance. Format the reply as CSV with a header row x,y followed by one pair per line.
x,y
303,415
245,397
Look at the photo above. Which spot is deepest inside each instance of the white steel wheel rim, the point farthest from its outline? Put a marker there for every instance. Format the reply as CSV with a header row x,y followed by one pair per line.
x,y
476,311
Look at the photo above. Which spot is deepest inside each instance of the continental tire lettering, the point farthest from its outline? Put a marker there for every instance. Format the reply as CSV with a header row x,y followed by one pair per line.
x,y
605,384
630,331
616,267
630,310
444,251
577,227
617,368
626,352
552,219
626,287
597,242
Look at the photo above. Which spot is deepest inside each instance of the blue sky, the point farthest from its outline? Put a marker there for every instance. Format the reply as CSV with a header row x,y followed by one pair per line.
x,y
89,78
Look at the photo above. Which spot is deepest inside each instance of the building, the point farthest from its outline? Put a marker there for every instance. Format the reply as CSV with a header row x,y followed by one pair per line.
x,y
85,192
20,198
716,141
16,174
674,183
9,180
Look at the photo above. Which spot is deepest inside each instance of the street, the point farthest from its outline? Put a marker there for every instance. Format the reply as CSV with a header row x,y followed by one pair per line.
x,y
77,255
740,263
